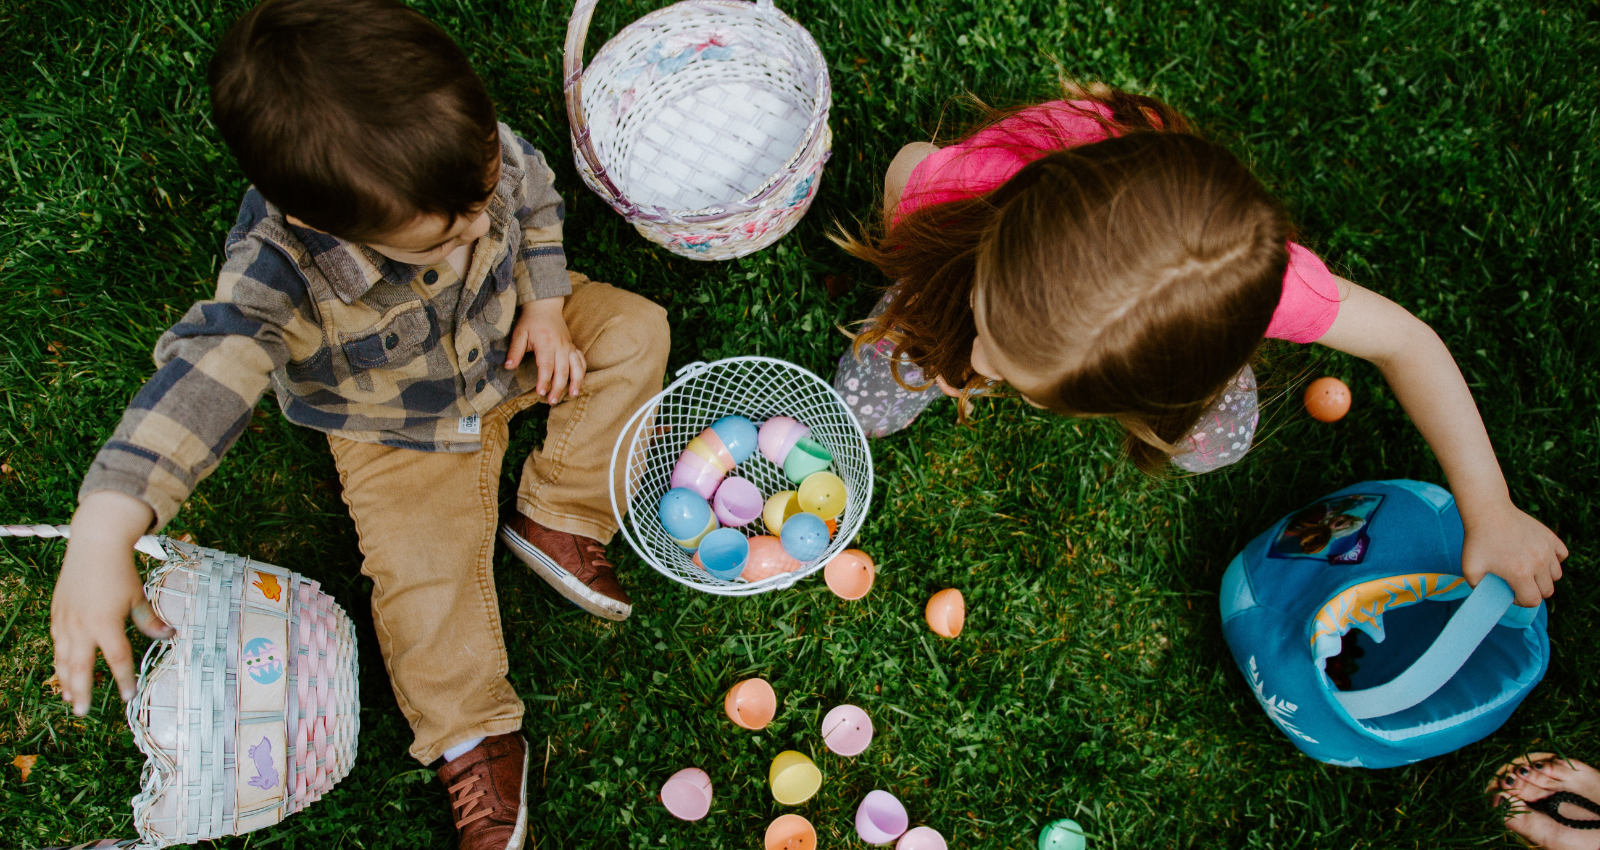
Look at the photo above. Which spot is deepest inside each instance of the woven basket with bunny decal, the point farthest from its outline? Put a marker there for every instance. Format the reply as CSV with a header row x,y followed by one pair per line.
x,y
250,712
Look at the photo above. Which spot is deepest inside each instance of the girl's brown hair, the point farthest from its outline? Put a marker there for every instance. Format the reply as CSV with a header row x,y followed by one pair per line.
x,y
1131,278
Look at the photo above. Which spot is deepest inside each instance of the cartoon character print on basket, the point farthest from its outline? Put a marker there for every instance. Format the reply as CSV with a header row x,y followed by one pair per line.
x,y
264,660
266,777
1332,530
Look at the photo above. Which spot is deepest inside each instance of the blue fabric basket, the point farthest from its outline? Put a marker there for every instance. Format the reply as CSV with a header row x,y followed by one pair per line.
x,y
1355,629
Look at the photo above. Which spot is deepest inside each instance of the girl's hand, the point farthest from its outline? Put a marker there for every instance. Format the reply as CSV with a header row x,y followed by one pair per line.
x,y
97,591
1517,548
541,329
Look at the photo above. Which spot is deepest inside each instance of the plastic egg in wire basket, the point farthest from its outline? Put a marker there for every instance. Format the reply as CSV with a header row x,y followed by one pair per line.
x,y
755,387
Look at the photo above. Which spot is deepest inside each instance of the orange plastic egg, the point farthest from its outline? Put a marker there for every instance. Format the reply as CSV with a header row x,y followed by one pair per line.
x,y
790,832
947,611
1327,399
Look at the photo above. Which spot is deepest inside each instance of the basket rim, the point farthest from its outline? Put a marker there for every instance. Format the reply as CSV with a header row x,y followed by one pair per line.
x,y
577,73
683,376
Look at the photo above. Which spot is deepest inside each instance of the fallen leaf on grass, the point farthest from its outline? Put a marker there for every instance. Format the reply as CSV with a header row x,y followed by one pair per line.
x,y
24,764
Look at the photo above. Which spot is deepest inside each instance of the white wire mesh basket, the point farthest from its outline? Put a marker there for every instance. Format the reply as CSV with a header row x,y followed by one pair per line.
x,y
250,712
757,388
704,123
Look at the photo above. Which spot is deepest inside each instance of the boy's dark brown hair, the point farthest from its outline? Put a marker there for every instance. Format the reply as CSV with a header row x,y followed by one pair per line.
x,y
354,116
1131,278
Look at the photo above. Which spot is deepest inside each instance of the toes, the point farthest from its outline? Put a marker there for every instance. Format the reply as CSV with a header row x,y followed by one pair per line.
x,y
1563,770
1536,828
1533,786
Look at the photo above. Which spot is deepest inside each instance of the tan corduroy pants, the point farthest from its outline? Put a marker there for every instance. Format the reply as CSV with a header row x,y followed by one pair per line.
x,y
427,521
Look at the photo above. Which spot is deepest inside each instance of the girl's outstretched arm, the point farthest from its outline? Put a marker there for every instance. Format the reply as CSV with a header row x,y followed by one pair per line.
x,y
1501,539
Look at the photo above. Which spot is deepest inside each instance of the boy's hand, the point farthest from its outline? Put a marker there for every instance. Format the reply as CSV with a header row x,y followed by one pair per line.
x,y
1516,547
541,329
97,591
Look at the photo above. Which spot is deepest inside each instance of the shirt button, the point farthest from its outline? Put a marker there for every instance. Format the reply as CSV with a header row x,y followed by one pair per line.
x,y
431,277
472,355
481,384
391,341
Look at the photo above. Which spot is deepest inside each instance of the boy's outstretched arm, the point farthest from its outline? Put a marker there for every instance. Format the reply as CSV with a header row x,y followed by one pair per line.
x,y
1501,539
98,590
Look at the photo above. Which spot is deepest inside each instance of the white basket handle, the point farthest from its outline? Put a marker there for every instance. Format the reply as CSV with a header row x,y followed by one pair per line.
x,y
572,87
149,544
692,368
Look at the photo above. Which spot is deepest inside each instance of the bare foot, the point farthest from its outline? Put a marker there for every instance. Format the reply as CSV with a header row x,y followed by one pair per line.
x,y
1536,777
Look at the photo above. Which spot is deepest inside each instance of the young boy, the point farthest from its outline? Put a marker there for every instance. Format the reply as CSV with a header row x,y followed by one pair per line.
x,y
396,262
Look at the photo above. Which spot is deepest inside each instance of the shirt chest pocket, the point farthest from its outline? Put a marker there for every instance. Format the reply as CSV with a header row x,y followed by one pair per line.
x,y
403,335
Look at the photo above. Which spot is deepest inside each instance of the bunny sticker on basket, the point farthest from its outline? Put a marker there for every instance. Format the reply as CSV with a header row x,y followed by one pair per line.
x,y
268,585
266,777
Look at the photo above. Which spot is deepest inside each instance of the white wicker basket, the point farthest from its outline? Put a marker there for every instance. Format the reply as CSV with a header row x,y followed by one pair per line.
x,y
704,123
757,388
250,712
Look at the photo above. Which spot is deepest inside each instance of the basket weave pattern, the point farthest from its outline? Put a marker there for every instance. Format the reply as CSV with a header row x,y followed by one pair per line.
x,y
704,123
757,388
250,712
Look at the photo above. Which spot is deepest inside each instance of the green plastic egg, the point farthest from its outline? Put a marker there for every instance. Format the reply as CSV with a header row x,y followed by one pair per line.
x,y
1064,834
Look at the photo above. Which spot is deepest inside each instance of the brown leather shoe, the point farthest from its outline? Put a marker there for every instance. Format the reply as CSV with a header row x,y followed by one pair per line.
x,y
574,565
488,796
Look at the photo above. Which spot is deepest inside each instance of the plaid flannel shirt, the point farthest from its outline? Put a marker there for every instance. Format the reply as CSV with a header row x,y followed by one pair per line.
x,y
354,344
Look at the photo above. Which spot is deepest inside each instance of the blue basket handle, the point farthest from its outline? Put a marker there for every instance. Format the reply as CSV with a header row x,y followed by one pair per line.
x,y
1489,605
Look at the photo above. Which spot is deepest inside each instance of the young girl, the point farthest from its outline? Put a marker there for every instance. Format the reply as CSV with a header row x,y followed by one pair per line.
x,y
1100,258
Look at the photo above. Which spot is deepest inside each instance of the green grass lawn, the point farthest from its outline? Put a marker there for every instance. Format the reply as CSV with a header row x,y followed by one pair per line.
x,y
1443,153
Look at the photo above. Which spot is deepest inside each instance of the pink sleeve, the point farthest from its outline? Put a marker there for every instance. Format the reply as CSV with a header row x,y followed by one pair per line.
x,y
1310,299
992,156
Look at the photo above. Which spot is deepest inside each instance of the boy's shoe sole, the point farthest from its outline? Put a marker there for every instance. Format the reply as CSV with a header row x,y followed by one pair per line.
x,y
519,836
564,582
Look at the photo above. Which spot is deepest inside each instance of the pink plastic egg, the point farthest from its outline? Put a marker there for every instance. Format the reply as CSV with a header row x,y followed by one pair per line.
x,y
881,818
687,794
737,503
778,435
697,474
847,730
922,838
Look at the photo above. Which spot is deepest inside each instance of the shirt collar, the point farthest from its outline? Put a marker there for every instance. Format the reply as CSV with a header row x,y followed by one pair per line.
x,y
352,269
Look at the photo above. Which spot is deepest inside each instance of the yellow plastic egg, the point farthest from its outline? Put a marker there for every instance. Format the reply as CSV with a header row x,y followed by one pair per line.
x,y
780,506
822,493
794,778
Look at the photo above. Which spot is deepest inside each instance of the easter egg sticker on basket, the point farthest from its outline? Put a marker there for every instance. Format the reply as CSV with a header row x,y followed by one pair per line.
x,y
704,123
654,455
